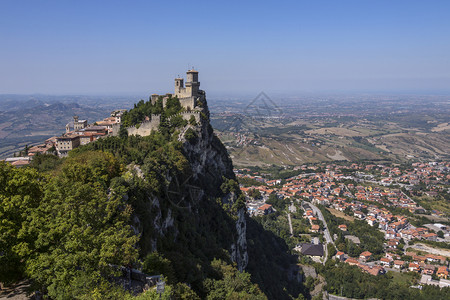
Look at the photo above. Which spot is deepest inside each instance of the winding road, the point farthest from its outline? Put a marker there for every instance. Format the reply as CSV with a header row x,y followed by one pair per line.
x,y
326,232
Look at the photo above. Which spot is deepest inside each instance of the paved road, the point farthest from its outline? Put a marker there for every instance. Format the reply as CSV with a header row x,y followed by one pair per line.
x,y
407,197
326,232
290,224
320,216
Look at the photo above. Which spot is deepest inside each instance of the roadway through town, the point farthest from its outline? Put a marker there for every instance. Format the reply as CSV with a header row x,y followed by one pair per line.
x,y
326,232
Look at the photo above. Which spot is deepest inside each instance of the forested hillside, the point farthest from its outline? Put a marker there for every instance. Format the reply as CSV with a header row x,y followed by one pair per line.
x,y
166,204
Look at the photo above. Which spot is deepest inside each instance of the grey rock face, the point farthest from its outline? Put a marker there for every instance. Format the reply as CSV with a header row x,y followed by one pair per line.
x,y
210,164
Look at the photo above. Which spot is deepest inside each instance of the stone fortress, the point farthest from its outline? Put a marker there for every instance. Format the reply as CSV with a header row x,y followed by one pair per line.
x,y
191,98
79,132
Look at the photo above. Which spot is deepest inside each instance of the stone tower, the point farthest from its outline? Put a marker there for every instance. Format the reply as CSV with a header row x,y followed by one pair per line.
x,y
79,124
192,84
179,86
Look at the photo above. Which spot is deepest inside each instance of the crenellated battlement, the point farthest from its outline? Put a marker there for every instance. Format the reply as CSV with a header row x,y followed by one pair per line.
x,y
146,127
189,93
191,98
187,115
142,129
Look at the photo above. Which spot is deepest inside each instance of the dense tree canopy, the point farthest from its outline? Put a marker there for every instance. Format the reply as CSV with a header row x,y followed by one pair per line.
x,y
228,283
68,228
145,109
21,191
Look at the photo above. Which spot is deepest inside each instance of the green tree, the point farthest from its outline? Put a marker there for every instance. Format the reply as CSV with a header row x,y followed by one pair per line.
x,y
190,135
230,283
45,162
81,228
123,132
331,250
155,264
173,106
278,203
192,121
21,191
254,193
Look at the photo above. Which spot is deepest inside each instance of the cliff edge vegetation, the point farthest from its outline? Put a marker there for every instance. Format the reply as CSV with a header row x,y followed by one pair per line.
x,y
165,204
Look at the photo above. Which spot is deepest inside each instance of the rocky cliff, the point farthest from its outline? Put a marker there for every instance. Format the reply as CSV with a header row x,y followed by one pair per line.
x,y
211,165
186,200
188,209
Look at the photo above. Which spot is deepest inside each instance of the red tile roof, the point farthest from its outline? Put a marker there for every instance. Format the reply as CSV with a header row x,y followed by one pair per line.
x,y
366,254
264,207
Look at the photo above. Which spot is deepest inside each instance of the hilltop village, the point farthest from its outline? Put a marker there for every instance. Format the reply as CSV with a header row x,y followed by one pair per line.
x,y
80,132
364,214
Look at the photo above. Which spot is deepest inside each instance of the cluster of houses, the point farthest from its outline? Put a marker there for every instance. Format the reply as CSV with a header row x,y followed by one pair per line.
x,y
331,188
389,197
396,227
419,172
45,148
426,172
407,233
311,217
259,208
78,132
327,188
433,175
428,264
360,263
242,139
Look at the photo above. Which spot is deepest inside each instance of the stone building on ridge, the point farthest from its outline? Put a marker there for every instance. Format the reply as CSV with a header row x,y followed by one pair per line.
x,y
189,94
191,98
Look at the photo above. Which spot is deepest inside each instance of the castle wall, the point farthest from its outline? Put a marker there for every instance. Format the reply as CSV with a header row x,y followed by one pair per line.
x,y
187,115
115,129
188,95
188,103
146,127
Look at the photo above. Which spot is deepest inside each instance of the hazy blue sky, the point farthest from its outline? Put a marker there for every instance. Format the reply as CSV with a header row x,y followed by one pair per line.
x,y
111,47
